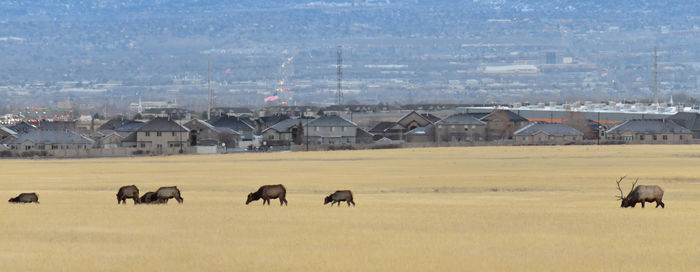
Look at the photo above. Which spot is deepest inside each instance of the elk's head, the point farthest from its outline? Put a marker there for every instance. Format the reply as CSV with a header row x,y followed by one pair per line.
x,y
626,200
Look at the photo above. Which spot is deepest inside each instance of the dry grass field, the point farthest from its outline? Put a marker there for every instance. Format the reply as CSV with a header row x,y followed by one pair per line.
x,y
438,209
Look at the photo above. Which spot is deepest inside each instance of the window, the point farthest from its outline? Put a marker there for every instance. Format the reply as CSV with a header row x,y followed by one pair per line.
x,y
173,133
271,137
148,133
315,128
439,126
159,146
627,137
551,137
641,137
654,138
344,129
143,145
158,134
332,129
473,126
524,138
541,139
680,137
54,146
665,137
452,126
27,147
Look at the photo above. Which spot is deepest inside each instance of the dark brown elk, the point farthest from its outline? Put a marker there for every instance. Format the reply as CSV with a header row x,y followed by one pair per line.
x,y
339,196
165,193
149,198
25,198
641,194
129,191
267,192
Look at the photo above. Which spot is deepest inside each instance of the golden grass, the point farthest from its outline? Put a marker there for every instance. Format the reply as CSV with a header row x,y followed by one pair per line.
x,y
439,209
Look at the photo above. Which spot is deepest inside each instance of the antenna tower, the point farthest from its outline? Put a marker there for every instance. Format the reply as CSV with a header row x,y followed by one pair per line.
x,y
209,85
656,77
339,94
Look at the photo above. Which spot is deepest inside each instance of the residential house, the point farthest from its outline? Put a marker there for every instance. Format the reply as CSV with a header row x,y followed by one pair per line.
x,y
285,133
244,126
44,140
501,124
204,134
161,135
333,129
232,111
128,134
396,130
649,131
460,127
547,134
22,127
418,135
689,120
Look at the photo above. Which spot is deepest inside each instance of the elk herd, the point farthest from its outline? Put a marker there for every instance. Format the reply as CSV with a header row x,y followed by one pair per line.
x,y
637,194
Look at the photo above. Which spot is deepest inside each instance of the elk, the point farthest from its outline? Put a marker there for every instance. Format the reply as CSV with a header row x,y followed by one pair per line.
x,y
640,194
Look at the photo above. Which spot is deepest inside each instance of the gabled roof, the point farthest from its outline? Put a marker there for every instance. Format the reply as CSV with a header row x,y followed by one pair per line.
x,y
362,133
382,127
130,127
420,131
8,131
460,119
512,115
273,119
331,121
113,124
550,129
649,126
232,122
226,130
22,127
285,125
688,120
417,114
51,137
162,124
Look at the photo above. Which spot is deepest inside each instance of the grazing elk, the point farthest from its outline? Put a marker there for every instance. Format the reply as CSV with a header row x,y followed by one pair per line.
x,y
149,198
339,196
641,194
165,193
129,191
25,198
267,192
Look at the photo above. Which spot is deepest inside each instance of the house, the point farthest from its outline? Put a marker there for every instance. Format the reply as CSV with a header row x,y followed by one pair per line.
x,y
127,132
689,120
161,135
44,140
501,124
649,131
333,129
244,126
22,127
396,130
460,127
547,134
285,133
264,122
232,111
204,134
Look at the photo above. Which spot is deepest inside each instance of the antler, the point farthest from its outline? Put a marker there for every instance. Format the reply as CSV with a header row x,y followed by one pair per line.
x,y
622,195
635,183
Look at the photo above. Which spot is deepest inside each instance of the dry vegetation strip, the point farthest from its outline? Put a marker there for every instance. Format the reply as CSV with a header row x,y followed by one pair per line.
x,y
454,209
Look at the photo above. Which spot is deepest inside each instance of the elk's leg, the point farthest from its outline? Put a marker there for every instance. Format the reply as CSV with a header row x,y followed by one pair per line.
x,y
353,203
348,203
642,204
281,201
659,202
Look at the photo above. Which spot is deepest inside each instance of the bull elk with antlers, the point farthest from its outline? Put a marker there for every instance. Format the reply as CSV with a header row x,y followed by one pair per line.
x,y
641,194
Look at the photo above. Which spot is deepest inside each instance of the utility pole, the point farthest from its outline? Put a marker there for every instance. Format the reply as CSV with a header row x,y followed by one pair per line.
x,y
339,93
209,85
656,77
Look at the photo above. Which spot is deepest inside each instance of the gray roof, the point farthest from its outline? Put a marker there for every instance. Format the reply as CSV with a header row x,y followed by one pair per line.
x,y
129,138
162,124
331,121
8,131
420,131
130,127
284,125
236,123
362,133
225,130
649,126
460,119
52,137
550,129
512,115
382,126
688,120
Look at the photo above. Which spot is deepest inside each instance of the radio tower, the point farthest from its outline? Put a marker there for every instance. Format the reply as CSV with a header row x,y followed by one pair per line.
x,y
656,77
339,94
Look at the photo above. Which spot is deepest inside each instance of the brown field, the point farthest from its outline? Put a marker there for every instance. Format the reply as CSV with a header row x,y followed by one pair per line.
x,y
438,209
